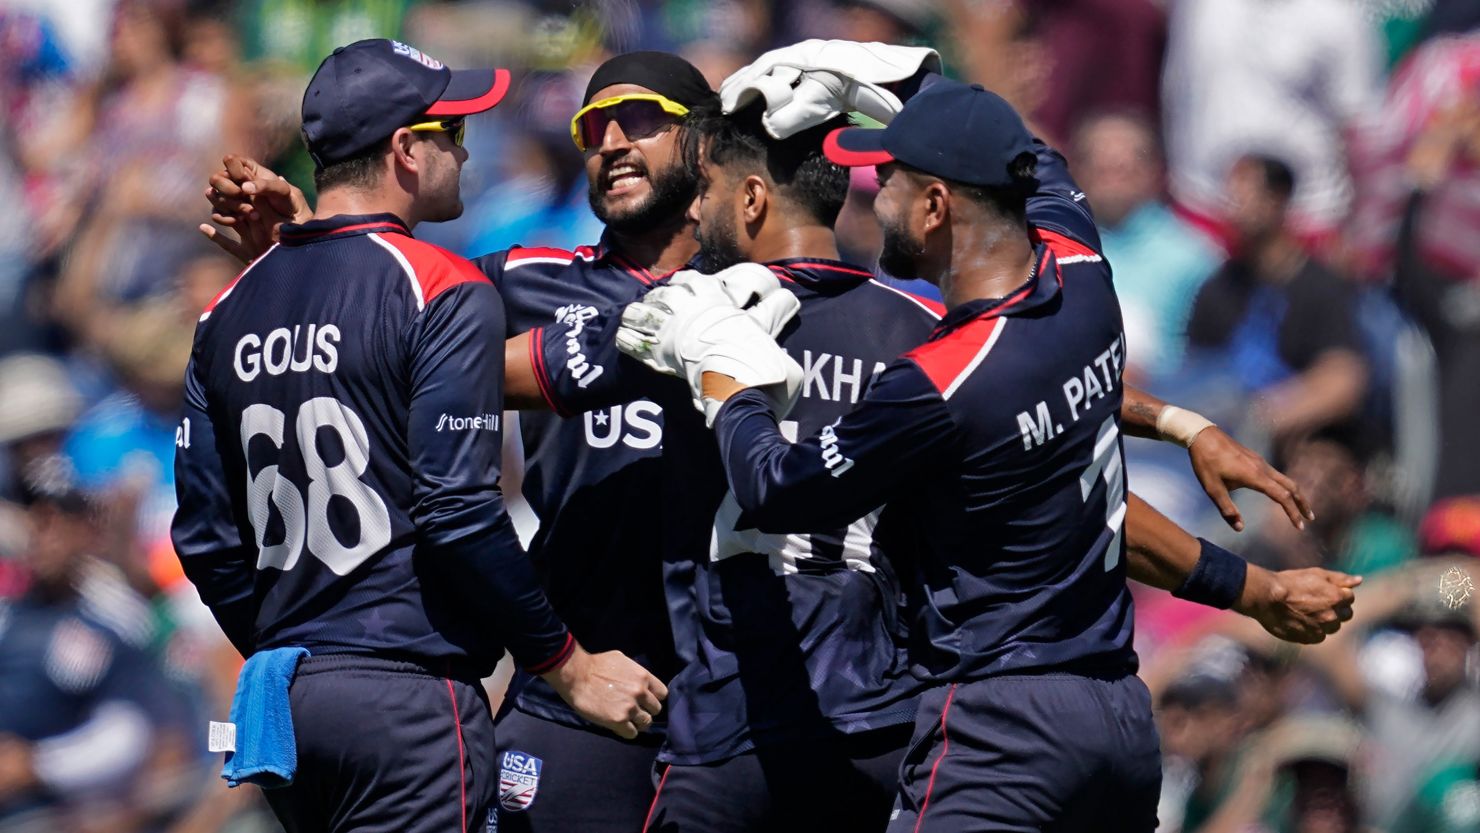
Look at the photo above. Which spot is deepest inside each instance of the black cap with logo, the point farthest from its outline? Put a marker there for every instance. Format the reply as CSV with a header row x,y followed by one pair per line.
x,y
950,130
364,92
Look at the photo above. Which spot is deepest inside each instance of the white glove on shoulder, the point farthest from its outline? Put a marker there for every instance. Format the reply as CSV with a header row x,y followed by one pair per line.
x,y
808,83
691,326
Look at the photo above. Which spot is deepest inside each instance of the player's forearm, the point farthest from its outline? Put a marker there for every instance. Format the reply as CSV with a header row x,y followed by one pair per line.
x,y
497,581
521,387
1138,413
1158,553
1161,554
224,581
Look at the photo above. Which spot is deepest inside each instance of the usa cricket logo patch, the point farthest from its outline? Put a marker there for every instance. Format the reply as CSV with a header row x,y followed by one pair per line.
x,y
518,780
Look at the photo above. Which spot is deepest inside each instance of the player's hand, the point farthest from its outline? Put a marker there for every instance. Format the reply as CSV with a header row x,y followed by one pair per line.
x,y
805,84
691,327
610,690
1222,464
746,286
1301,606
252,202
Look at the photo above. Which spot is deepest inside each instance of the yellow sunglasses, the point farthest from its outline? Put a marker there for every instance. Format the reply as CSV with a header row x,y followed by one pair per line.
x,y
458,128
640,115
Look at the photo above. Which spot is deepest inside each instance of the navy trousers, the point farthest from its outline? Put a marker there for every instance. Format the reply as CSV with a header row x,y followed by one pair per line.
x,y
388,747
1050,753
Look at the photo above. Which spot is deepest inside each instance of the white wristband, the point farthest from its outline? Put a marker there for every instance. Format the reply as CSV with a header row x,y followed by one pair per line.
x,y
1179,426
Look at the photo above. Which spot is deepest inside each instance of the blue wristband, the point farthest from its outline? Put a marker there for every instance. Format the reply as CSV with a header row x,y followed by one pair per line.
x,y
1217,580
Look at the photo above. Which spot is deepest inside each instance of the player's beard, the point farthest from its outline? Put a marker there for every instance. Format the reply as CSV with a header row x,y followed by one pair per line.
x,y
444,193
901,253
719,245
671,191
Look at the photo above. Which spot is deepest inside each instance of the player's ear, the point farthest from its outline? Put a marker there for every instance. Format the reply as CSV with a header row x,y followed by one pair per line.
x,y
755,193
937,205
404,150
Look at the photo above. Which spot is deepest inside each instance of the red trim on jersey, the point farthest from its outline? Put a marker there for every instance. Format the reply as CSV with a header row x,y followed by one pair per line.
x,y
542,371
1063,246
780,272
652,808
830,267
395,228
436,269
210,307
642,275
945,746
520,254
556,661
946,358
467,107
462,766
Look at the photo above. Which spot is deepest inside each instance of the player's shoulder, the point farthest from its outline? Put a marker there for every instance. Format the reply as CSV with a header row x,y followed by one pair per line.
x,y
230,287
1068,249
906,302
951,358
431,269
527,257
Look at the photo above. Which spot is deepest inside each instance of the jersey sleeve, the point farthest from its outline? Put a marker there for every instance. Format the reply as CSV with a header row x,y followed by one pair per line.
x,y
578,366
900,431
455,439
1058,204
214,544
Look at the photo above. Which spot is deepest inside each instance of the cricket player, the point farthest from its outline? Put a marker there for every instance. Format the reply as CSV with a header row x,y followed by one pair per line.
x,y
338,465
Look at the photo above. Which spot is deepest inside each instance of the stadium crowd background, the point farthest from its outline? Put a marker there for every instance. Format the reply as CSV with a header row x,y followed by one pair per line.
x,y
1337,331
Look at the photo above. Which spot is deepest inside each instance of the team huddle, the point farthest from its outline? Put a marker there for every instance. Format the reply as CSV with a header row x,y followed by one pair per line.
x,y
814,553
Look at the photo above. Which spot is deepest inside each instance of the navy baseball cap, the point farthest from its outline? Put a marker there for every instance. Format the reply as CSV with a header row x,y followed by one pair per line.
x,y
950,130
364,92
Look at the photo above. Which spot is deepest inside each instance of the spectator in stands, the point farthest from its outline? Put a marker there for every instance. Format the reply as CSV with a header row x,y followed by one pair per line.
x,y
76,722
1441,288
149,130
1054,61
1160,261
1350,533
1289,76
1282,323
1411,731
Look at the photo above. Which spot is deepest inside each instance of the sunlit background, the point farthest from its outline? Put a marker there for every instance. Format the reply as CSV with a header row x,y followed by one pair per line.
x,y
1337,331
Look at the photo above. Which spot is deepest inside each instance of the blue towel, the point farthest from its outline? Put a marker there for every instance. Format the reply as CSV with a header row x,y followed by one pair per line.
x,y
266,753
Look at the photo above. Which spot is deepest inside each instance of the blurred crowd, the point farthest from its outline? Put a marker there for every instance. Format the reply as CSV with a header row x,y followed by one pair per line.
x,y
1288,192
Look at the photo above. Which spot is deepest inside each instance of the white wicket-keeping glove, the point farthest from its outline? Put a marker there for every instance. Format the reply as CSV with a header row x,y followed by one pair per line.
x,y
742,286
692,326
810,82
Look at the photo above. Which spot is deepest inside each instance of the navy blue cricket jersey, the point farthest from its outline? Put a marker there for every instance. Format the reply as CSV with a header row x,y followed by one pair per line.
x,y
588,478
792,636
338,461
998,442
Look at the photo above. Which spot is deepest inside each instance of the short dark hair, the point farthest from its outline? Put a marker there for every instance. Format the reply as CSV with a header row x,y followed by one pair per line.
x,y
359,171
1278,176
1010,202
795,164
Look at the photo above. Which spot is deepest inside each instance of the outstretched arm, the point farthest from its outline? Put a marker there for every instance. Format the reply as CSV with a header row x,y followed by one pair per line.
x,y
1220,462
1293,605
